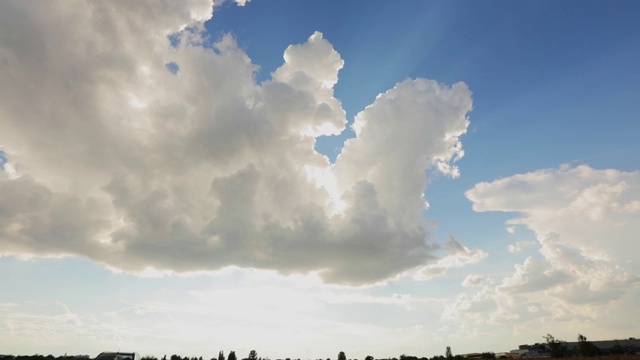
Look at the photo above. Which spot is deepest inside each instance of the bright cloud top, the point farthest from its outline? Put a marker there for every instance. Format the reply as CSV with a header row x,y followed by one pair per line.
x,y
140,152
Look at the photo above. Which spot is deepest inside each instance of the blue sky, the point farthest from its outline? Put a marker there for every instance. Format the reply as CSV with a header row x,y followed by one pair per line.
x,y
209,193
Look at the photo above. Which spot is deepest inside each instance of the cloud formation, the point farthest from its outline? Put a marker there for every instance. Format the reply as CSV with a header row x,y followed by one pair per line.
x,y
582,276
585,221
457,256
130,142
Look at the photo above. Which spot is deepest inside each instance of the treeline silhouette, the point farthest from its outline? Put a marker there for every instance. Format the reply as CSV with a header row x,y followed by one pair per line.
x,y
557,348
42,357
253,355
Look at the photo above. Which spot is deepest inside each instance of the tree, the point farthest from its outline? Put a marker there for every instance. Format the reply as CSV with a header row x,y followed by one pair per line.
x,y
558,347
253,355
221,355
232,356
447,353
369,357
342,356
587,348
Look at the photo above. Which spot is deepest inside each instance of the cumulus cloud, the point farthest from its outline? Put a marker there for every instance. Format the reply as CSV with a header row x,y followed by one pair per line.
x,y
392,150
585,221
581,277
140,152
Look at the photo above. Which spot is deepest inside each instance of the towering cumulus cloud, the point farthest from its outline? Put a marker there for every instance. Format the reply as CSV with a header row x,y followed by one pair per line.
x,y
130,142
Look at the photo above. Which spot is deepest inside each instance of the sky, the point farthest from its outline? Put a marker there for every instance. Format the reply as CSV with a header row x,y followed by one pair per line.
x,y
302,178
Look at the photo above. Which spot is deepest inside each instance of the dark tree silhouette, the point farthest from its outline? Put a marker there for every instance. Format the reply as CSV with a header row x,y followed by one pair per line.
x,y
221,355
232,356
253,355
587,348
369,357
447,353
342,356
558,347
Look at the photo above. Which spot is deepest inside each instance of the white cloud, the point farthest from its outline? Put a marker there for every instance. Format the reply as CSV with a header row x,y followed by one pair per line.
x,y
586,223
472,306
581,280
475,280
115,157
519,246
532,276
395,143
457,256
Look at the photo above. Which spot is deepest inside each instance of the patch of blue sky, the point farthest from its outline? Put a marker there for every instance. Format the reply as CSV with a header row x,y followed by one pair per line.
x,y
173,67
174,39
3,159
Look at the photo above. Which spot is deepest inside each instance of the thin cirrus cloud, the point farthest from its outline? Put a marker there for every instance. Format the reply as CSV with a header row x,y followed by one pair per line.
x,y
140,152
